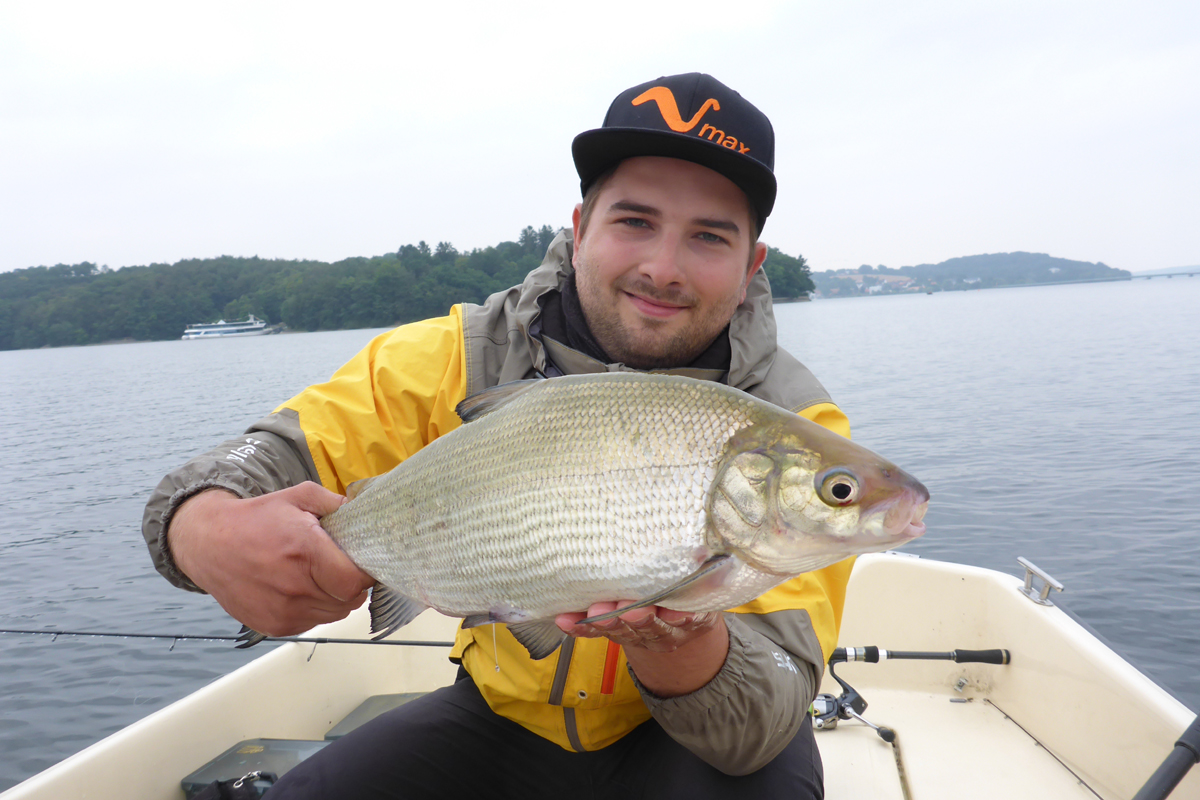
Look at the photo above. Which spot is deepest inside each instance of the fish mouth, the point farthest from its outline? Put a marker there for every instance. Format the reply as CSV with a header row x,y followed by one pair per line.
x,y
916,527
903,521
915,530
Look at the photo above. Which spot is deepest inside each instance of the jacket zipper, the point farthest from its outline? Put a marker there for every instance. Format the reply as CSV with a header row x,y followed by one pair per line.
x,y
559,686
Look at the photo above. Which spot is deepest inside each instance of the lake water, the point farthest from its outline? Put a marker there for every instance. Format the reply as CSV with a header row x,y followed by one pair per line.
x,y
1059,423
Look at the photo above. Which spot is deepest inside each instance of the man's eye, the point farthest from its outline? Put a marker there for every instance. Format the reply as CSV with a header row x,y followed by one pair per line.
x,y
712,237
635,222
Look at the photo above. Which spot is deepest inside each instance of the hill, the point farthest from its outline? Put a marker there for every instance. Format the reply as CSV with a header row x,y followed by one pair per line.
x,y
966,272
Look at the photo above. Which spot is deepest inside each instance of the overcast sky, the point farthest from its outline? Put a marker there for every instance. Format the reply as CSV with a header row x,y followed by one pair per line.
x,y
906,133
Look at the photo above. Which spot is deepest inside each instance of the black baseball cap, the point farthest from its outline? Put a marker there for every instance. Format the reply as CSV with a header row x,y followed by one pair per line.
x,y
694,117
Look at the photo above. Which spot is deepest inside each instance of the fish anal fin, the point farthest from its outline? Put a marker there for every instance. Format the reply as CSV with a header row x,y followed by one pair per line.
x,y
541,637
712,570
475,620
391,610
487,401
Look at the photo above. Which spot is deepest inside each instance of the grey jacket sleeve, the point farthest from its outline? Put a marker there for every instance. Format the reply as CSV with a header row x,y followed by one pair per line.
x,y
271,455
747,714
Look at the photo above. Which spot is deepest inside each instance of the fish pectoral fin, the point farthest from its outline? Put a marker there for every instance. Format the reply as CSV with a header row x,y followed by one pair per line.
x,y
475,620
708,569
249,637
391,610
487,401
541,637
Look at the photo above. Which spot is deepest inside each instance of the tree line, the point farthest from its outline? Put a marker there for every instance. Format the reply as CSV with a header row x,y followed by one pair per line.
x,y
87,304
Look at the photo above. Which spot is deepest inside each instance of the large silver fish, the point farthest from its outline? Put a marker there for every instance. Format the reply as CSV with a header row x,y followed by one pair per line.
x,y
560,493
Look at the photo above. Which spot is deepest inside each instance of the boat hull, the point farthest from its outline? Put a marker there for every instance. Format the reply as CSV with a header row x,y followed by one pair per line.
x,y
1066,718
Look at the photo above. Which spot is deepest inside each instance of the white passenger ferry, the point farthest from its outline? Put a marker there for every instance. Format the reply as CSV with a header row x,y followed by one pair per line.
x,y
224,330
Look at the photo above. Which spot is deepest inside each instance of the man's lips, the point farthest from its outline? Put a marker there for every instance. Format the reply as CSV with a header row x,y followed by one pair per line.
x,y
654,308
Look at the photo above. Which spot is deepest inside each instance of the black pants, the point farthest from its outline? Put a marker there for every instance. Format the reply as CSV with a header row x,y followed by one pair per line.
x,y
449,744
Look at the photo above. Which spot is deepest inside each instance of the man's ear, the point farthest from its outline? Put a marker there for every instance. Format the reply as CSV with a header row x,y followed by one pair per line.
x,y
760,255
576,215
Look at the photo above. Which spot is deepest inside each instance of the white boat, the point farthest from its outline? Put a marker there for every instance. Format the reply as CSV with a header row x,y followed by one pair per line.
x,y
226,330
1066,718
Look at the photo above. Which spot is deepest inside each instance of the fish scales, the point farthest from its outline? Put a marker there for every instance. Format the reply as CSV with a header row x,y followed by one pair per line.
x,y
598,488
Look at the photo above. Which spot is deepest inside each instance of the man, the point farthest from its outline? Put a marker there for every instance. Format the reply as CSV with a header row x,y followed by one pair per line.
x,y
661,271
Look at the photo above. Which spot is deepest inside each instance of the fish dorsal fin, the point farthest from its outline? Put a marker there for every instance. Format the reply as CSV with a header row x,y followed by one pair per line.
x,y
487,401
709,569
391,610
541,637
356,488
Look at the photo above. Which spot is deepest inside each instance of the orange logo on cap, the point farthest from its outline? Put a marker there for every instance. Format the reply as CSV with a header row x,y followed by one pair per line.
x,y
669,109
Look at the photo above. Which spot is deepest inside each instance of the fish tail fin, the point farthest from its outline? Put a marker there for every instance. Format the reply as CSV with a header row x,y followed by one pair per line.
x,y
249,637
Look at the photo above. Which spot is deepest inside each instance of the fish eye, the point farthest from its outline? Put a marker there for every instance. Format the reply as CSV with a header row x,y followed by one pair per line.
x,y
838,487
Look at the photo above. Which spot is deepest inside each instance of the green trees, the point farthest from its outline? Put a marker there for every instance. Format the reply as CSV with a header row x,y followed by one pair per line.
x,y
789,275
86,304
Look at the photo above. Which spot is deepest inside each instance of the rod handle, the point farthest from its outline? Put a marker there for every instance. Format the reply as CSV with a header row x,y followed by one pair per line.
x,y
981,656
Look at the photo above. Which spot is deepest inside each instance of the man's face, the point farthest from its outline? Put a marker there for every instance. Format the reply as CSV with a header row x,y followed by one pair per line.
x,y
664,262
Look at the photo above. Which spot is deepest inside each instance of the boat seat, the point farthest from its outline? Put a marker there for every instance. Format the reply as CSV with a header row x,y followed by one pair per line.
x,y
368,710
280,755
266,755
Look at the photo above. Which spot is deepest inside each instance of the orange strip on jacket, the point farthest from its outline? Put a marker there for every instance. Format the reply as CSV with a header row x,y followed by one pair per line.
x,y
610,667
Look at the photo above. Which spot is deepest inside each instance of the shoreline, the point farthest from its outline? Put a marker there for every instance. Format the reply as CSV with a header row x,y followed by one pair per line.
x,y
981,288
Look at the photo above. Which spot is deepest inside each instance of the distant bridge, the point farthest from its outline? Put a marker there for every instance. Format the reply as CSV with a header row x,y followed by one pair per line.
x,y
1186,272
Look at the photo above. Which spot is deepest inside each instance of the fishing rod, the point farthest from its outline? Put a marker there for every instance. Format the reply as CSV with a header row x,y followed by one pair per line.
x,y
874,655
828,709
188,637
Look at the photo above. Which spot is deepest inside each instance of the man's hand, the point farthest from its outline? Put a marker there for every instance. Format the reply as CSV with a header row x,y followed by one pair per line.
x,y
267,560
671,652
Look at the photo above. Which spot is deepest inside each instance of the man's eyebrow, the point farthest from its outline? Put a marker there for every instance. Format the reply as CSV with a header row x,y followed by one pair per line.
x,y
636,208
719,224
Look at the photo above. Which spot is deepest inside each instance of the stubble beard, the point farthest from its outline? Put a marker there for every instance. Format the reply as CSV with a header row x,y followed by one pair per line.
x,y
652,346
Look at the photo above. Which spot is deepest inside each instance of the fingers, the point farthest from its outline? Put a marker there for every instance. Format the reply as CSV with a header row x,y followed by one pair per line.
x,y
291,617
330,569
267,560
334,573
313,498
651,627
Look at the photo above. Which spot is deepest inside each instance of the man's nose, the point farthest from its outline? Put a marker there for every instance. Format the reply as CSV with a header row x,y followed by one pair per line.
x,y
661,265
